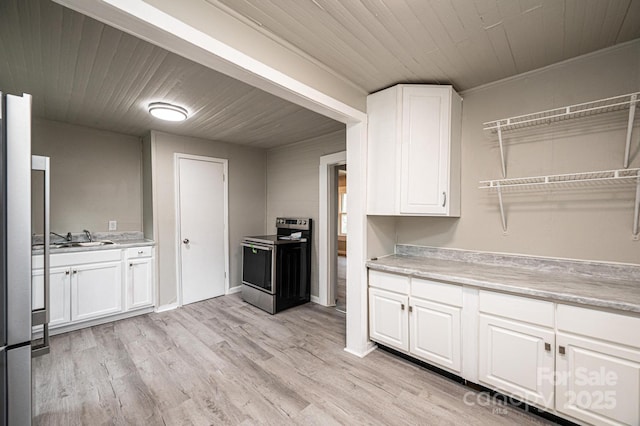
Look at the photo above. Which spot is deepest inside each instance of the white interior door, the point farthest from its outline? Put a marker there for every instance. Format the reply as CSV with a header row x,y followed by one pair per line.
x,y
202,212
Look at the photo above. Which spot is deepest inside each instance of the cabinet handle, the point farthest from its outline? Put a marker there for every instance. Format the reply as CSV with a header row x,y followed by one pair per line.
x,y
561,350
75,271
402,306
130,265
547,347
410,308
66,272
140,251
444,195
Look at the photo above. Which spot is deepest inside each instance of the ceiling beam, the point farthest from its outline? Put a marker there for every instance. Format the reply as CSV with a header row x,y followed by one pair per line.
x,y
203,33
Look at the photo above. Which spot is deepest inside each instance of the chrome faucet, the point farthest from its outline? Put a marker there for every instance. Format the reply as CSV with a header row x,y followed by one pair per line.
x,y
88,234
67,238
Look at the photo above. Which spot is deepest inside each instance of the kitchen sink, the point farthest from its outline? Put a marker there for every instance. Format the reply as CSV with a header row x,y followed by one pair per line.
x,y
75,244
91,243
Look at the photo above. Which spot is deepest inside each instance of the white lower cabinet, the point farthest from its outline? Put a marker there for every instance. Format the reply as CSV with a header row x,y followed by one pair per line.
x,y
436,333
517,358
427,329
388,318
598,382
598,366
516,340
59,294
96,290
139,283
436,323
89,285
579,363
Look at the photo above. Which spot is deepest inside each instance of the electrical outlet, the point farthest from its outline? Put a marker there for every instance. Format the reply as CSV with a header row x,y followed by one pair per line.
x,y
113,225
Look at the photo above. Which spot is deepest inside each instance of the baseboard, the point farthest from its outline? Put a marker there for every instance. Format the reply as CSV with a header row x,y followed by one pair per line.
x,y
370,348
97,321
234,290
169,307
315,299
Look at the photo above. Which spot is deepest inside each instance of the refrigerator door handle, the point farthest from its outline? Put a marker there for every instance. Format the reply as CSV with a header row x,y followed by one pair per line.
x,y
42,347
41,316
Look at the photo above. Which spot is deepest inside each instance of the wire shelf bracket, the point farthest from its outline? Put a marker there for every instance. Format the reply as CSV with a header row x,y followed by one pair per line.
x,y
585,109
571,180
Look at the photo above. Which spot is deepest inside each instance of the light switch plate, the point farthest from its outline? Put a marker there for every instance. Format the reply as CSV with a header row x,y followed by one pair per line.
x,y
113,225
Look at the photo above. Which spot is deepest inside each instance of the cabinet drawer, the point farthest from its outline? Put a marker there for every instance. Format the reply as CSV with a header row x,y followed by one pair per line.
x,y
139,252
77,258
389,282
448,294
612,327
519,308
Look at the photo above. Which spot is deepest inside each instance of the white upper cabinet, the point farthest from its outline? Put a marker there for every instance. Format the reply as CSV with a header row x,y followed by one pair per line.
x,y
414,151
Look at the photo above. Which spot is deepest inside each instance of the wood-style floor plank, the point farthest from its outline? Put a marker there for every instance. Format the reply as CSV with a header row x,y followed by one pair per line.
x,y
224,362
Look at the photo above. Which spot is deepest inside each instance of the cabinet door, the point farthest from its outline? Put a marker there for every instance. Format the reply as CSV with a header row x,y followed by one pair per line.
x,y
96,290
436,333
59,294
388,318
425,145
517,358
139,287
598,382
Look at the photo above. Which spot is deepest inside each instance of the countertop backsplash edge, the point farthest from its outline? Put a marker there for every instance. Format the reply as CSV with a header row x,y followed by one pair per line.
x,y
587,268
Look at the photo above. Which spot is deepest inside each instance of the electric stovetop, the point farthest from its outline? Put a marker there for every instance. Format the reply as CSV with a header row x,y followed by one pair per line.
x,y
274,239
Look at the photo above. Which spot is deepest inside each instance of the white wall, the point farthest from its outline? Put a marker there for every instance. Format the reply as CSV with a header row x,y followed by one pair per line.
x,y
293,185
96,176
587,224
247,201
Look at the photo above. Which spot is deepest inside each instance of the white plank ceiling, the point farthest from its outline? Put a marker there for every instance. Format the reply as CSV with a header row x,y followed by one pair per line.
x,y
467,43
83,72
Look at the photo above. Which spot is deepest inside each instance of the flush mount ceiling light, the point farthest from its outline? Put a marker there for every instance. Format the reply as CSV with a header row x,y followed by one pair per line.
x,y
166,111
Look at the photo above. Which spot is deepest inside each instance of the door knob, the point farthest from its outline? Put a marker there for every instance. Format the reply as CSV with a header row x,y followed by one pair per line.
x,y
186,241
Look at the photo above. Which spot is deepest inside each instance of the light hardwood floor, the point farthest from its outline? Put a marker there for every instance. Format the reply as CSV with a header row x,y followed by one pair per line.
x,y
222,361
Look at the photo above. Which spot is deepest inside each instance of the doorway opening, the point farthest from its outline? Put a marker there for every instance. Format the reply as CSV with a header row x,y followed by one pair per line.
x,y
328,220
340,255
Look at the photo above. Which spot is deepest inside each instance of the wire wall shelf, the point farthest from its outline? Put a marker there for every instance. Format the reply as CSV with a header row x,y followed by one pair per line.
x,y
586,109
627,177
570,180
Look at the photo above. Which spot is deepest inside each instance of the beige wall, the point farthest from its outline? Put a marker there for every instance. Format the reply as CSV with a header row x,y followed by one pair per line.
x,y
96,176
147,187
293,179
247,202
590,224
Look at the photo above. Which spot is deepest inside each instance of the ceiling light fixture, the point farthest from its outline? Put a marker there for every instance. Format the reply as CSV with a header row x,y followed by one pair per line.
x,y
166,111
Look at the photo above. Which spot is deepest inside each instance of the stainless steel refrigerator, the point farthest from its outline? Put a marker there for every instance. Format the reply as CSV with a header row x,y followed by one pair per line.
x,y
17,318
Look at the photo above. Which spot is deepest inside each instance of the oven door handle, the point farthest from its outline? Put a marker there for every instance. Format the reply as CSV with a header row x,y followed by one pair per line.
x,y
255,247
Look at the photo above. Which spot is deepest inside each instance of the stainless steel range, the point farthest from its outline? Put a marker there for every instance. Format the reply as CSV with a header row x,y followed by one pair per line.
x,y
276,269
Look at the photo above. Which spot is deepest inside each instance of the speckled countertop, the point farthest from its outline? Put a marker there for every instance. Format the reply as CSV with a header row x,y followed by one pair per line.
x,y
603,285
121,240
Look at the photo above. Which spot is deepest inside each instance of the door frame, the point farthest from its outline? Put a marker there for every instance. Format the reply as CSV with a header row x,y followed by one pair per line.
x,y
178,243
326,218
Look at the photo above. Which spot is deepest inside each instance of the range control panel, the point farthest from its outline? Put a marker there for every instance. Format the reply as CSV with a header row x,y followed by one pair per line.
x,y
293,223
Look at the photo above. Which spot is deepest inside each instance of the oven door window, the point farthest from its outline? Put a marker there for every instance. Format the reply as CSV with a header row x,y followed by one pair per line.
x,y
256,266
